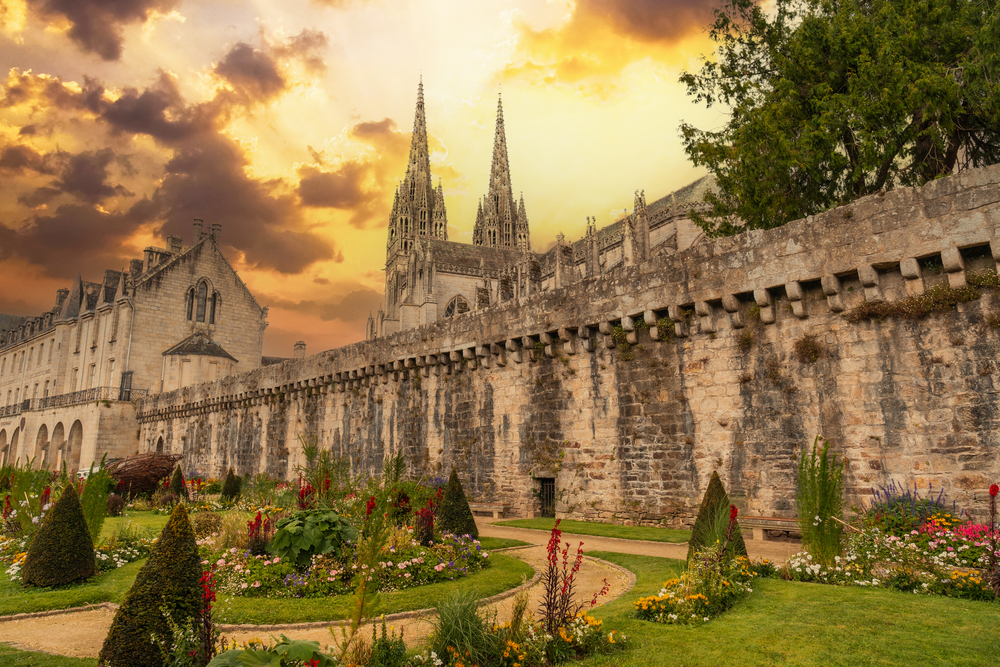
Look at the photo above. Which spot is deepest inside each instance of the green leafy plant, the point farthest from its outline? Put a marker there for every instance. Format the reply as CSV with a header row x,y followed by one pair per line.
x,y
167,584
454,514
284,653
820,500
311,533
62,551
94,498
808,349
712,520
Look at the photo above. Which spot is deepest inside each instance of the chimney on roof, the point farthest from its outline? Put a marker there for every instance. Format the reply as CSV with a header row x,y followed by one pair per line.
x,y
174,244
300,350
216,231
61,295
198,233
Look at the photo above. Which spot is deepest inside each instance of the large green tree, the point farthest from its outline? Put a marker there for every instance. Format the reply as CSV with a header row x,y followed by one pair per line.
x,y
832,100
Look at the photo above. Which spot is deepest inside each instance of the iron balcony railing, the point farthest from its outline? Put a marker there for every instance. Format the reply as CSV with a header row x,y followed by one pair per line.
x,y
74,398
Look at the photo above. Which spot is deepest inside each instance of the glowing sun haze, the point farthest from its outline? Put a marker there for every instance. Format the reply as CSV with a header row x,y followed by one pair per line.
x,y
288,123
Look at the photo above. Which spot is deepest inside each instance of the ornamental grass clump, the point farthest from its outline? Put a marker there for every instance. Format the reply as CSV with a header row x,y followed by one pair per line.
x,y
94,499
62,551
820,500
711,524
167,587
454,514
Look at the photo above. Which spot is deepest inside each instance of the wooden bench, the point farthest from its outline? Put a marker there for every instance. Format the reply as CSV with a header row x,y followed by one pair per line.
x,y
761,524
497,509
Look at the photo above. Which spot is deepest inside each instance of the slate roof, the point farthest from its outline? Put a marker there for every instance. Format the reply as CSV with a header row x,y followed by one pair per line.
x,y
451,254
200,344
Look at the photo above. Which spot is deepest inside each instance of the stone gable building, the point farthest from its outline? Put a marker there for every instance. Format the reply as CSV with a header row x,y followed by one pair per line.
x,y
428,277
68,378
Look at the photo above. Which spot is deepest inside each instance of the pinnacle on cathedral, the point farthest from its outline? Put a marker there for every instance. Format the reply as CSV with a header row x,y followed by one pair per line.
x,y
418,208
500,223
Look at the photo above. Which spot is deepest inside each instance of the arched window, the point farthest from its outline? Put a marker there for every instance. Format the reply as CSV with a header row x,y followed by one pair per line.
x,y
214,308
190,304
456,306
202,299
423,222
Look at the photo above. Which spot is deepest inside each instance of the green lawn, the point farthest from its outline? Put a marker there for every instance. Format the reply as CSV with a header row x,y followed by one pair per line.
x,y
12,657
504,573
786,623
649,533
106,587
154,523
492,543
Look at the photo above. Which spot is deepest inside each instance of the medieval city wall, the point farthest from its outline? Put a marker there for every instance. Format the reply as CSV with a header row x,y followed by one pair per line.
x,y
576,384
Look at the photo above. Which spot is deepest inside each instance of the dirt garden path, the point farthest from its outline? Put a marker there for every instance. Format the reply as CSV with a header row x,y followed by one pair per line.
x,y
81,633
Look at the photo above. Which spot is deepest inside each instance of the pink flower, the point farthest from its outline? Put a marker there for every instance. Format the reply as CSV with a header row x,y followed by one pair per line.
x,y
439,567
256,584
221,562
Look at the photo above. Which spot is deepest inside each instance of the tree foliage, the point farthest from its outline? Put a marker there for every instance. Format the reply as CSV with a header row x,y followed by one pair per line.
x,y
832,100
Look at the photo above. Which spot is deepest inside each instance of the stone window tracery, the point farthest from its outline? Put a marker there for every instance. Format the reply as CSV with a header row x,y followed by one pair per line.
x,y
456,306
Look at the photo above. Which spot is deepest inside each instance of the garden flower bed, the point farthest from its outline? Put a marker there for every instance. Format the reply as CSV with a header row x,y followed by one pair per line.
x,y
240,573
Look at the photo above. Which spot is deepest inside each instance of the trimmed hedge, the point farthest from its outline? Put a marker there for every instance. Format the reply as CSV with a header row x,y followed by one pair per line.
x,y
231,487
62,551
168,580
177,485
714,503
454,515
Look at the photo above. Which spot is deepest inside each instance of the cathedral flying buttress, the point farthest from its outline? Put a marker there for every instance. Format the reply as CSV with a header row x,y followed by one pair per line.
x,y
428,277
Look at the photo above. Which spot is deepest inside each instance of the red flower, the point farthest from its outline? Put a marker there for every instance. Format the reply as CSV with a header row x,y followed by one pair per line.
x,y
369,506
733,512
994,489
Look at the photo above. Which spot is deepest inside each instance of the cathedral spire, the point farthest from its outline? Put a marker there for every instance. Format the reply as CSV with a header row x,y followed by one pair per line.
x,y
419,158
500,211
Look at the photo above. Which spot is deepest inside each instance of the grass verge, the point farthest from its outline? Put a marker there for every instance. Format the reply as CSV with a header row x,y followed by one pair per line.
x,y
648,533
504,574
492,543
107,587
787,623
13,657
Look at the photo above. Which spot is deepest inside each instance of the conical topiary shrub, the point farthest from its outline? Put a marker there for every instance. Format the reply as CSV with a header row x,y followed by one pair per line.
x,y
168,581
231,487
177,485
713,516
454,515
61,551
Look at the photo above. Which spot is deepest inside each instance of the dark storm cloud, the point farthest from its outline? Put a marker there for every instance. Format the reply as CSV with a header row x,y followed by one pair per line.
x,y
341,189
257,75
207,179
356,185
86,177
649,20
251,71
97,26
161,112
205,176
18,159
354,307
75,238
38,197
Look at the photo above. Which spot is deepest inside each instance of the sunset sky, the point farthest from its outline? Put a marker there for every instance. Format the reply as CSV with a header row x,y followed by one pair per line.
x,y
288,123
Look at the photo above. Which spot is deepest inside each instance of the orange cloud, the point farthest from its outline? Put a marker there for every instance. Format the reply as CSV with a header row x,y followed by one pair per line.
x,y
603,37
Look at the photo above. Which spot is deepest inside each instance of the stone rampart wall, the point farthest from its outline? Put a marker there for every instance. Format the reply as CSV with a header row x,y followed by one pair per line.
x,y
575,384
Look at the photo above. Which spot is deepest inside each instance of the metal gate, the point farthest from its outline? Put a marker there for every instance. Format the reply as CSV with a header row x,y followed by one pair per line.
x,y
547,494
